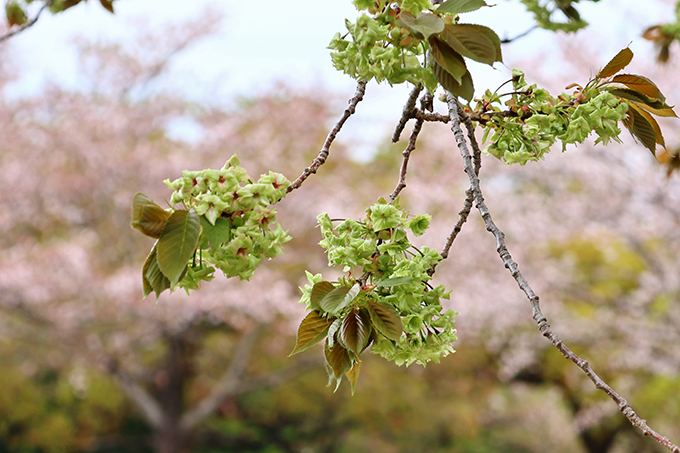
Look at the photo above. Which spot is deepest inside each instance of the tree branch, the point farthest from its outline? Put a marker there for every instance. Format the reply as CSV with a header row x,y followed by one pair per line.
x,y
407,113
27,24
323,154
226,385
279,376
404,163
511,265
148,406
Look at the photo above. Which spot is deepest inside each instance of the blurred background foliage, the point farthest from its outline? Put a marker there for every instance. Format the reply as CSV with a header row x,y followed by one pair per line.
x,y
596,228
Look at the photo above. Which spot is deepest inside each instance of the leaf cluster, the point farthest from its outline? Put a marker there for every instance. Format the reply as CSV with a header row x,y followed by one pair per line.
x,y
391,307
387,42
227,222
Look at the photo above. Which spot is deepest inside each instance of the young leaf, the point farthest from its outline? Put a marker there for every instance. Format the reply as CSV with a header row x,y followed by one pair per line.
x,y
355,331
465,89
638,97
650,119
153,278
334,300
471,41
616,64
312,330
425,25
15,13
147,216
353,374
460,6
216,234
108,5
641,129
448,59
665,112
177,243
395,281
385,321
640,84
320,290
337,359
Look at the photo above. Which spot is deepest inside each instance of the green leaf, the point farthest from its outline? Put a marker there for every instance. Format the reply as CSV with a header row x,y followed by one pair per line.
x,y
337,359
385,320
147,216
355,331
616,64
472,41
423,26
353,374
641,129
460,6
640,84
153,278
319,291
395,281
216,234
108,5
334,301
312,330
448,59
465,89
177,243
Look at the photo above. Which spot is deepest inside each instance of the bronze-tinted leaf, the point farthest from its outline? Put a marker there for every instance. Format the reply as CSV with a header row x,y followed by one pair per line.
x,y
641,129
312,330
153,278
423,26
108,5
353,374
385,320
319,290
448,59
15,13
616,64
460,6
465,89
337,299
355,331
471,41
665,112
638,97
640,84
650,119
337,359
177,243
147,216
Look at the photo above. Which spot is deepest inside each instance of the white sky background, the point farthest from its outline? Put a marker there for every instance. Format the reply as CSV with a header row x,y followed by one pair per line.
x,y
268,40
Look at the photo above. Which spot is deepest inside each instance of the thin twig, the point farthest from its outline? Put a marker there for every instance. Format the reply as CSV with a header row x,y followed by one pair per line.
x,y
27,24
404,163
323,154
521,35
407,113
541,321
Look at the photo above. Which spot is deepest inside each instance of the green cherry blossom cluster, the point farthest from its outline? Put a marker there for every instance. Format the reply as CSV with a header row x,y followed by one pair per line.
x,y
536,120
390,306
238,222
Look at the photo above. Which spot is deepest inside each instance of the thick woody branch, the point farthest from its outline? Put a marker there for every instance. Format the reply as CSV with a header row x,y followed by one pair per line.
x,y
147,405
28,24
227,384
541,321
325,150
